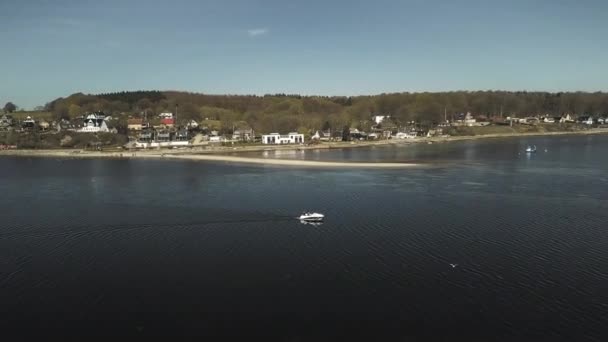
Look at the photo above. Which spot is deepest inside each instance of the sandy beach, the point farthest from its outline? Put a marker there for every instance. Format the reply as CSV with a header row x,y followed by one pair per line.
x,y
199,157
226,153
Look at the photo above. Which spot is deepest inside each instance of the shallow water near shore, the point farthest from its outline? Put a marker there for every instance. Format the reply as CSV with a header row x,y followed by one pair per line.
x,y
182,248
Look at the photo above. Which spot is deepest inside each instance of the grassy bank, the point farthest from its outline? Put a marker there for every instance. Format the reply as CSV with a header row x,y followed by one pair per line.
x,y
36,115
41,140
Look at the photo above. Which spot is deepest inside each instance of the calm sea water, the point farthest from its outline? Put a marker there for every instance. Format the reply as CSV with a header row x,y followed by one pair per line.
x,y
171,248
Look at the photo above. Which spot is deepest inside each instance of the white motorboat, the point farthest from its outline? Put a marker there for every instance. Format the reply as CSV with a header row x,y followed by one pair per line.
x,y
311,217
531,149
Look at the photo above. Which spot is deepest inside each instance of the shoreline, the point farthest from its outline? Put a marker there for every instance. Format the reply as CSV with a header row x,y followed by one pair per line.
x,y
59,154
226,154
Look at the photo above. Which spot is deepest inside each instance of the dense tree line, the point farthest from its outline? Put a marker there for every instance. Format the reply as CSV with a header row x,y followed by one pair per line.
x,y
131,97
282,113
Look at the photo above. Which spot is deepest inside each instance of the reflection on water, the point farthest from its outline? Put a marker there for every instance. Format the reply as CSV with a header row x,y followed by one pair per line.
x,y
311,223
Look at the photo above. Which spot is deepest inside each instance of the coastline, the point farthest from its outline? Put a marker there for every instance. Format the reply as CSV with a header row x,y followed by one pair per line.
x,y
226,154
200,157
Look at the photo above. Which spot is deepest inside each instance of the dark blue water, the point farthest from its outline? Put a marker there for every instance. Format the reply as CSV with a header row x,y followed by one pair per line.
x,y
194,249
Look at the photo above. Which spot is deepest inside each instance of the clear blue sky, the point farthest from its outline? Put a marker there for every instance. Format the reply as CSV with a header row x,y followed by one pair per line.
x,y
57,47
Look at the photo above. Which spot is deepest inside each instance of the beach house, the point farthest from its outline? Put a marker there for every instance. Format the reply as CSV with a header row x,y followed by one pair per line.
x,y
278,139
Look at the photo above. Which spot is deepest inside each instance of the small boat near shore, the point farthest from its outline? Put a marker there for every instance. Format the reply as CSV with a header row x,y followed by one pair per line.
x,y
311,217
531,149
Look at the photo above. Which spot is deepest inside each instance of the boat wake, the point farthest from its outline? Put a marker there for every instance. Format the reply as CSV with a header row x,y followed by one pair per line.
x,y
50,232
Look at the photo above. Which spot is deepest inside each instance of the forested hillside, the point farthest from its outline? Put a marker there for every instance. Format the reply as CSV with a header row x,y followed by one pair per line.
x,y
281,112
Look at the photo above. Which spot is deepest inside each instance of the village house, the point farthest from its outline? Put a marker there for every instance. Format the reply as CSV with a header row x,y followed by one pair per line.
x,y
465,120
146,135
434,132
163,136
549,119
135,124
378,119
406,135
167,122
566,119
384,129
243,134
6,122
218,139
326,136
356,134
530,120
276,138
94,123
44,125
181,135
192,124
586,120
28,124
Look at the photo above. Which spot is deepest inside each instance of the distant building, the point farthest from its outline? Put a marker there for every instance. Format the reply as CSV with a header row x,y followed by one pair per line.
x,y
6,121
587,120
434,132
192,124
217,139
530,120
326,136
379,118
146,135
166,115
566,119
406,135
135,124
94,123
465,120
276,138
163,136
44,125
181,135
356,134
167,122
28,123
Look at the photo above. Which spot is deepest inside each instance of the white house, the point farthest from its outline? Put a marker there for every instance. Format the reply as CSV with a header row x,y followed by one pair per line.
x,y
566,118
549,119
379,118
465,120
94,123
276,138
403,135
218,139
192,124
